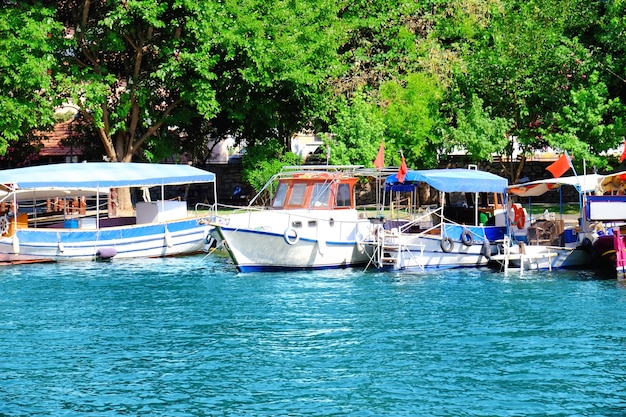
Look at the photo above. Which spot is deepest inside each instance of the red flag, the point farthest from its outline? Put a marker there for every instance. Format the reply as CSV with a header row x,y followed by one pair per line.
x,y
402,171
560,166
621,158
379,162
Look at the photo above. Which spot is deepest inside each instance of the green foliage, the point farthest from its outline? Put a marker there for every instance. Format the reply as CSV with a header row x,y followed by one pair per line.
x,y
590,124
479,133
357,132
262,161
26,65
424,77
411,114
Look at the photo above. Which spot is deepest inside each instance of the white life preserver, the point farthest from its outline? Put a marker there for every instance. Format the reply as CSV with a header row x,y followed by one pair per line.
x,y
291,236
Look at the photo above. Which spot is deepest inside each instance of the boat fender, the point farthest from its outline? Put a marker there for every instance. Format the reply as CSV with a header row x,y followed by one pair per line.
x,y
105,253
16,245
168,238
358,237
587,245
446,244
291,236
4,224
467,238
321,243
486,249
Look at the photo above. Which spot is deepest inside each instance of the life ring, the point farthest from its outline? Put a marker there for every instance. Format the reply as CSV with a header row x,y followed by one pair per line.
x,y
517,216
467,238
446,244
4,225
291,236
520,217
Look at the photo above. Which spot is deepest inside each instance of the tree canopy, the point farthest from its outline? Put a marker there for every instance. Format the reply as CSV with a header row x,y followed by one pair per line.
x,y
492,78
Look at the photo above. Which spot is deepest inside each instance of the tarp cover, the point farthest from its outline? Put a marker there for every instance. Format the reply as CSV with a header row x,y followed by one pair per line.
x,y
584,183
454,180
102,175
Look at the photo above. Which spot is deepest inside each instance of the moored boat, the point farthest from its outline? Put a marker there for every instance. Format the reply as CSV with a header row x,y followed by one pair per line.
x,y
311,223
456,231
66,212
551,240
608,211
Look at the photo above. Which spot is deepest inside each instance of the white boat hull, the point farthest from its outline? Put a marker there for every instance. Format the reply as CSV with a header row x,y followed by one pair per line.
x,y
425,252
303,239
147,240
542,257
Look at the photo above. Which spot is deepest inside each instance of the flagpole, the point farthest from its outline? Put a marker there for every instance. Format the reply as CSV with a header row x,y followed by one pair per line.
x,y
580,191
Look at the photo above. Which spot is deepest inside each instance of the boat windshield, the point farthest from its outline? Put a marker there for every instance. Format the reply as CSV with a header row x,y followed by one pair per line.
x,y
281,193
320,195
296,197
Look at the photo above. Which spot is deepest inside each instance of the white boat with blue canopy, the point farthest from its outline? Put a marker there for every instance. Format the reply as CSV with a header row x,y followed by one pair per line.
x,y
440,218
67,212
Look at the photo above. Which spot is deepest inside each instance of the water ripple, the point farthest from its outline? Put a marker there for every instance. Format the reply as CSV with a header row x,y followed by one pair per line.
x,y
191,337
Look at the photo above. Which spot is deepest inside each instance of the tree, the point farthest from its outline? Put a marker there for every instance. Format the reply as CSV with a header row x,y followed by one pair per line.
x,y
411,116
133,68
524,67
26,64
475,131
357,132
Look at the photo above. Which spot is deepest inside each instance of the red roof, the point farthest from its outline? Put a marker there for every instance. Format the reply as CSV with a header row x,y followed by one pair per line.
x,y
52,142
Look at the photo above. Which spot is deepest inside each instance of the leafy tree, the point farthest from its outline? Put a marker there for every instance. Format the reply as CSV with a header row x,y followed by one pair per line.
x,y
411,116
524,68
133,68
590,124
262,161
275,59
357,132
26,65
477,132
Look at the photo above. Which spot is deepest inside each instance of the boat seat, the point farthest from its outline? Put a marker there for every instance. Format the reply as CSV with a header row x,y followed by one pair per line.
x,y
544,233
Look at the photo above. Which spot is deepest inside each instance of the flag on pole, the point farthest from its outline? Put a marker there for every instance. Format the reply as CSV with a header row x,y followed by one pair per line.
x,y
402,171
379,162
560,166
621,158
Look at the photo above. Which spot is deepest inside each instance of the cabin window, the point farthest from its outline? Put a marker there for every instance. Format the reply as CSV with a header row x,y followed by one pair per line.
x,y
343,195
281,192
320,195
296,198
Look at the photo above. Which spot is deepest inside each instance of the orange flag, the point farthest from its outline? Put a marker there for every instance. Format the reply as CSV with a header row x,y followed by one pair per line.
x,y
402,171
379,162
560,166
621,158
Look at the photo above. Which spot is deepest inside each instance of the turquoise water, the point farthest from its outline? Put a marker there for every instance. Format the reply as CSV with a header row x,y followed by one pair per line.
x,y
192,337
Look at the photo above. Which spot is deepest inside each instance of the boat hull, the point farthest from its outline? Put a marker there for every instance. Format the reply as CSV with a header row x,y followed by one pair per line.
x,y
174,238
541,257
289,240
427,252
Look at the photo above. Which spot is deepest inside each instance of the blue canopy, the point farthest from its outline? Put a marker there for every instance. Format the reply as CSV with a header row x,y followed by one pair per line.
x,y
102,175
452,180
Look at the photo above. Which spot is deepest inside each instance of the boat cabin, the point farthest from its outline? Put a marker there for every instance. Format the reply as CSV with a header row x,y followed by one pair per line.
x,y
315,191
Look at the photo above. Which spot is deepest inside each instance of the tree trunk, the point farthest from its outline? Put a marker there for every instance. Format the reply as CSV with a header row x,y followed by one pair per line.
x,y
125,204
